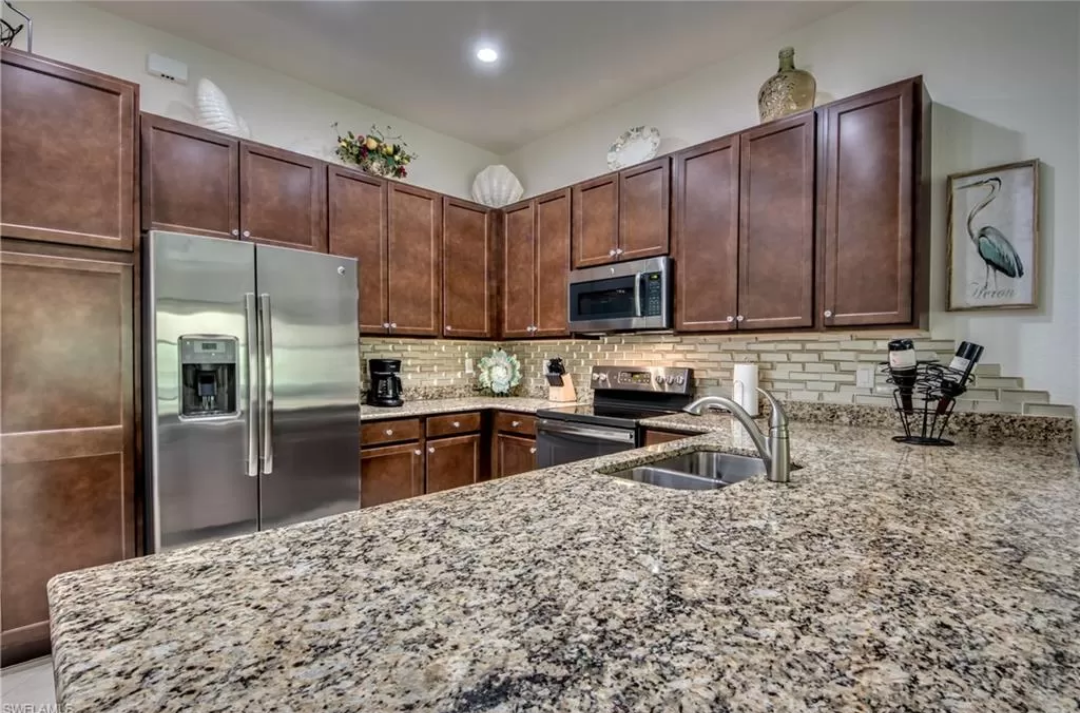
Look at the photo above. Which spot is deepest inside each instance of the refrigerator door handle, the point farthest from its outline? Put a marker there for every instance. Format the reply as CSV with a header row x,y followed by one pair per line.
x,y
251,424
266,346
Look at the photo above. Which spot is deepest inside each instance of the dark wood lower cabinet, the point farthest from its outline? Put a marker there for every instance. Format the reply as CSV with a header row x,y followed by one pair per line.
x,y
513,455
452,462
390,473
67,426
652,437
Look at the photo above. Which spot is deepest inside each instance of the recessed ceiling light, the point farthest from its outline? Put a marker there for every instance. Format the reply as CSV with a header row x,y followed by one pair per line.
x,y
487,54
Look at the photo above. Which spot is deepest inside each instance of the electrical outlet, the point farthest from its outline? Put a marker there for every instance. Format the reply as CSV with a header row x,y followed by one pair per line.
x,y
469,365
864,377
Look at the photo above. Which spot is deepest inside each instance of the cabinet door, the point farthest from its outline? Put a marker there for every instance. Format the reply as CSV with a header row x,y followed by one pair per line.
x,y
644,217
519,270
596,221
707,236
414,258
358,229
190,179
776,225
391,473
282,198
68,154
552,263
452,462
867,208
467,270
514,455
67,440
653,438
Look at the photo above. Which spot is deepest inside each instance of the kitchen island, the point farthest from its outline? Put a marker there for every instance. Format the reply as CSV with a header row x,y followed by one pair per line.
x,y
884,577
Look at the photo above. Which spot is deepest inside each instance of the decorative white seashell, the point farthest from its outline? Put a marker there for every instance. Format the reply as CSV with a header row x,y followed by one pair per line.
x,y
496,186
214,112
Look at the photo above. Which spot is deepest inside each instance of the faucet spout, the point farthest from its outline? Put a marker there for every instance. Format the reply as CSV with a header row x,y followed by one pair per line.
x,y
774,450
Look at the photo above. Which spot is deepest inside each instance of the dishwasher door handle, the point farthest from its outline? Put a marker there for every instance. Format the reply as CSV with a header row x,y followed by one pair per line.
x,y
603,434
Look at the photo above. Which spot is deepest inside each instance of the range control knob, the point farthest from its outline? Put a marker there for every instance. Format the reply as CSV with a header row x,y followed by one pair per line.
x,y
671,379
603,376
595,376
660,379
680,380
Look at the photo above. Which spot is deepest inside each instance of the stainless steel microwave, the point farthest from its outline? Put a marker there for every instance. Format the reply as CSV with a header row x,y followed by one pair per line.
x,y
624,296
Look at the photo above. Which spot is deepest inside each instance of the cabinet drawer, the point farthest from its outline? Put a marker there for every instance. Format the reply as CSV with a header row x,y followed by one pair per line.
x,y
453,424
515,423
406,429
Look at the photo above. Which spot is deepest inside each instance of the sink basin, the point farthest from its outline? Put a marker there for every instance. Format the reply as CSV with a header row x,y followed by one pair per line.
x,y
701,470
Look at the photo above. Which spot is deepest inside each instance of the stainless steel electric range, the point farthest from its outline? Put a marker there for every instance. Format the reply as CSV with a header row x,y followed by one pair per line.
x,y
622,397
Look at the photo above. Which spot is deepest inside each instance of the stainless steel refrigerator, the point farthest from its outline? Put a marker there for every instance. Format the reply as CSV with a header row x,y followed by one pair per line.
x,y
252,383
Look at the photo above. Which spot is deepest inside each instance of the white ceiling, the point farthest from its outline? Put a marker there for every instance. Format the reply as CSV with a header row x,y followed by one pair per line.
x,y
560,61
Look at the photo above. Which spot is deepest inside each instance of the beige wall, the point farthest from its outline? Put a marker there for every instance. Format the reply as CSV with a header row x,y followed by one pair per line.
x,y
280,110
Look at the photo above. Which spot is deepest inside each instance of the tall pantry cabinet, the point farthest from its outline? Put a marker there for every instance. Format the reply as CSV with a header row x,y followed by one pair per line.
x,y
68,335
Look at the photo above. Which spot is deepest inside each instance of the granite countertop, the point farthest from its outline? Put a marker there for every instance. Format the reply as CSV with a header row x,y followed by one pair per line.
x,y
429,407
884,577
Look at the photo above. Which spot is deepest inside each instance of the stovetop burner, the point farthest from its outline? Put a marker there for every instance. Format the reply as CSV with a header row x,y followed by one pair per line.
x,y
625,395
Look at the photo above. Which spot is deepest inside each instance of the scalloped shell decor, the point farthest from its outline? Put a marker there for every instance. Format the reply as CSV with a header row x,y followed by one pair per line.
x,y
496,186
214,112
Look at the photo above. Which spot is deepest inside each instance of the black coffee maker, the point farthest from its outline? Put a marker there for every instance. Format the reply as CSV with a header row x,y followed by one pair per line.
x,y
385,384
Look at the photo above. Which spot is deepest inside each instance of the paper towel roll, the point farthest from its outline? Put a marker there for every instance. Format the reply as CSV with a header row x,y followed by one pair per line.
x,y
744,387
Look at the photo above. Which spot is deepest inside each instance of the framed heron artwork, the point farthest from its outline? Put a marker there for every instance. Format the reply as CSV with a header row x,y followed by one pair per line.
x,y
993,237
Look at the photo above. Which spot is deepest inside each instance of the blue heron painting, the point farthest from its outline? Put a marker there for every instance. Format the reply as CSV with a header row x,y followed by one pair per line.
x,y
990,243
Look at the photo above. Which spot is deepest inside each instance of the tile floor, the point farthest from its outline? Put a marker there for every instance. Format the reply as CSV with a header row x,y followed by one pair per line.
x,y
28,686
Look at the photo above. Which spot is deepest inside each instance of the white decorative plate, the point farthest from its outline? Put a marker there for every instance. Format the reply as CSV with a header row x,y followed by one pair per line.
x,y
633,146
499,372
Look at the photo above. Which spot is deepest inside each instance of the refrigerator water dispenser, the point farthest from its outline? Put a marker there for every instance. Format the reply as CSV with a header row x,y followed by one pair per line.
x,y
208,377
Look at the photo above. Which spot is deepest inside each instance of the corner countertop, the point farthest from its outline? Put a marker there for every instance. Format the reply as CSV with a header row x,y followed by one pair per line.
x,y
430,407
884,577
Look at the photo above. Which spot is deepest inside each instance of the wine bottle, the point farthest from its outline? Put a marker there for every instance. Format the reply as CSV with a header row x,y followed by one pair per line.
x,y
903,367
954,384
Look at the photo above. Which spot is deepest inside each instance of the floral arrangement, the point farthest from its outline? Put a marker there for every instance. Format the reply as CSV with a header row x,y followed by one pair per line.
x,y
499,372
377,153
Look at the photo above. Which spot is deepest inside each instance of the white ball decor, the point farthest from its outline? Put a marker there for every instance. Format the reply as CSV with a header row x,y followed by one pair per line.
x,y
496,186
214,112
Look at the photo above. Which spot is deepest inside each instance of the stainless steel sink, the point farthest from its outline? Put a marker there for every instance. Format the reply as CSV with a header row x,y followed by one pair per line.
x,y
701,470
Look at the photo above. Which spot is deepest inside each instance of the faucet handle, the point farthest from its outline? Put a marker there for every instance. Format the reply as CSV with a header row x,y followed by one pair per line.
x,y
777,417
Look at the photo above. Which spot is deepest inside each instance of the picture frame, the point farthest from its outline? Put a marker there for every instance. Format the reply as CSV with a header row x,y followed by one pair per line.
x,y
993,238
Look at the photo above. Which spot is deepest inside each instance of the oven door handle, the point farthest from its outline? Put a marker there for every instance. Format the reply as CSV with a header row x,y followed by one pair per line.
x,y
617,436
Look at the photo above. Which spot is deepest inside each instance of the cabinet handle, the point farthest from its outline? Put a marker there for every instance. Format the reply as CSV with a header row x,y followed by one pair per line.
x,y
515,424
393,325
619,251
389,431
532,450
449,328
611,253
235,232
430,449
739,318
386,325
247,233
730,318
828,313
456,424
418,452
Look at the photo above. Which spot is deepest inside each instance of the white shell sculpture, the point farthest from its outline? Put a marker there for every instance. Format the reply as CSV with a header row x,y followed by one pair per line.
x,y
496,186
215,113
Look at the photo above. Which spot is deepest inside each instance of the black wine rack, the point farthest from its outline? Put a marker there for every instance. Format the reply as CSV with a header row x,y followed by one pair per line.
x,y
925,414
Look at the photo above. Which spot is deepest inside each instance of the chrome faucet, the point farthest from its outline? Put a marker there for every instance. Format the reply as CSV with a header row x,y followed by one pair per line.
x,y
774,449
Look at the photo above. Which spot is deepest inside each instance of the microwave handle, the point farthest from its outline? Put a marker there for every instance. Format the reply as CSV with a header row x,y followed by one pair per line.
x,y
637,294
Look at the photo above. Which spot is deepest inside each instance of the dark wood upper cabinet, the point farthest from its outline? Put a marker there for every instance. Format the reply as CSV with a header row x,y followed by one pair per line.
x,y
190,179
68,147
596,221
552,263
467,270
518,270
390,473
282,197
357,228
867,206
414,250
776,225
644,194
452,462
706,236
67,440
